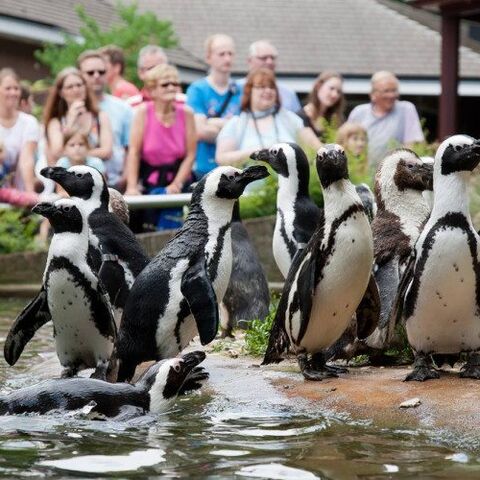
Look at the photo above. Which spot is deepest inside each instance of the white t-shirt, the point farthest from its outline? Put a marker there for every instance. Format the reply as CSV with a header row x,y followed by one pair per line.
x,y
26,129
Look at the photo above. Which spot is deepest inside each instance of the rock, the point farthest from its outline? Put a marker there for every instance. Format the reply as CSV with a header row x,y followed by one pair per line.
x,y
411,403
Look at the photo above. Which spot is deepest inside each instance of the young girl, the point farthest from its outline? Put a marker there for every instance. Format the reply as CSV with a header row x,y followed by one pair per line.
x,y
353,138
75,150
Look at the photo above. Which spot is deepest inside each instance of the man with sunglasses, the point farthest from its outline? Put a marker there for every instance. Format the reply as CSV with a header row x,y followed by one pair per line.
x,y
263,54
93,66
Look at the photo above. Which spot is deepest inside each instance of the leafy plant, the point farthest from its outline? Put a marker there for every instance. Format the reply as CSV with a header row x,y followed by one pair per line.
x,y
17,231
134,31
258,332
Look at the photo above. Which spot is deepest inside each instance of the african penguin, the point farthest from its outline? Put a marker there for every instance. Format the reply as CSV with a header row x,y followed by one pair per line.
x,y
400,182
297,215
156,391
247,296
117,253
71,296
439,294
330,278
176,296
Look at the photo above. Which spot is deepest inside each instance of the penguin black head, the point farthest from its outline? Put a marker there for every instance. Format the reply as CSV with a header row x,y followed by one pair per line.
x,y
165,379
332,164
284,158
80,181
64,215
459,153
230,182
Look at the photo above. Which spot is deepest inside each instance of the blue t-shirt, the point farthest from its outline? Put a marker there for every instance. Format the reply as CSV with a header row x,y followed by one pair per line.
x,y
120,115
205,100
94,162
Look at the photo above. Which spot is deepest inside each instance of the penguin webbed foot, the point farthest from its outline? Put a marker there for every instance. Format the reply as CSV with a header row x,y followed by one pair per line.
x,y
100,372
422,369
336,368
314,369
194,380
472,368
69,372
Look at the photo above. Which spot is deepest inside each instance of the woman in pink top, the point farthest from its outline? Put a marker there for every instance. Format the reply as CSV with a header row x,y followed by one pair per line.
x,y
162,138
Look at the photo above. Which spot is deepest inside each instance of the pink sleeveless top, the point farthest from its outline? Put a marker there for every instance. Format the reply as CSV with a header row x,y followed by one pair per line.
x,y
163,145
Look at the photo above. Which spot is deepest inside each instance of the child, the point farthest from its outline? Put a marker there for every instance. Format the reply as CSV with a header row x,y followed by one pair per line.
x,y
75,150
353,138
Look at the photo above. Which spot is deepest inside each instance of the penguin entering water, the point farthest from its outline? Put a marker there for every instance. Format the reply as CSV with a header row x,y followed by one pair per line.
x,y
117,254
247,296
176,296
330,278
400,182
156,391
297,215
71,296
439,294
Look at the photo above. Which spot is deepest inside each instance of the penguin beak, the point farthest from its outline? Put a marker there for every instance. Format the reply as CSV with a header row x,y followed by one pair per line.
x,y
54,173
250,174
261,155
45,209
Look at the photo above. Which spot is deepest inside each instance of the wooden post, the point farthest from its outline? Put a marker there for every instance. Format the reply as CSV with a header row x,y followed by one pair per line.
x,y
449,76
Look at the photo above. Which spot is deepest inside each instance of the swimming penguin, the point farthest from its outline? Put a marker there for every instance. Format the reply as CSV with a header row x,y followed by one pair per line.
x,y
400,183
439,294
330,278
155,391
297,215
71,296
247,296
176,296
120,257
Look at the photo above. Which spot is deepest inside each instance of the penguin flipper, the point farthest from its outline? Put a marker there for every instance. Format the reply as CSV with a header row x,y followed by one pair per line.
x,y
112,276
368,311
200,296
405,282
31,318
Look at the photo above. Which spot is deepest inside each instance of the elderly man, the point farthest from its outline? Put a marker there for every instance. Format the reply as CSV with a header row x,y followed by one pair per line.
x,y
148,57
388,121
263,54
214,99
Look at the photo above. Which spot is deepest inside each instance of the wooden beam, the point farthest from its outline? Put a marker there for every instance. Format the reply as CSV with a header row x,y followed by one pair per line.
x,y
449,76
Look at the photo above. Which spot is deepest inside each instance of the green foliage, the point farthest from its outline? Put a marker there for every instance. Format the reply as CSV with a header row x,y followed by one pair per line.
x,y
258,332
17,231
134,31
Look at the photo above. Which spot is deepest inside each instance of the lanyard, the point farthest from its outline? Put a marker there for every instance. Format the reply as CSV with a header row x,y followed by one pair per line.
x,y
259,135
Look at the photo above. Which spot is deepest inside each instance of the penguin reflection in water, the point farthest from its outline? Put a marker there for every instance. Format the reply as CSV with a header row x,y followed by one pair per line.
x,y
176,296
439,295
71,296
154,392
330,279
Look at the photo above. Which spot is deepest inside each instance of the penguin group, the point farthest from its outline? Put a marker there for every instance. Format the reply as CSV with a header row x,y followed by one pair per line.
x,y
356,271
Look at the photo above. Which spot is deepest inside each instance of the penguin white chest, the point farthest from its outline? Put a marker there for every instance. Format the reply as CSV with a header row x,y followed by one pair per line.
x,y
77,339
343,283
282,237
445,318
224,268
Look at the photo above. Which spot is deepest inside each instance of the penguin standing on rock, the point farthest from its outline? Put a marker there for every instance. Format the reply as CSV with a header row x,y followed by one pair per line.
x,y
115,251
71,296
330,279
439,295
400,183
297,215
176,296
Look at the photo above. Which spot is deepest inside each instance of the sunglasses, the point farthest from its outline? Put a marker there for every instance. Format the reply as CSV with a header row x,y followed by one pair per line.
x,y
91,73
169,84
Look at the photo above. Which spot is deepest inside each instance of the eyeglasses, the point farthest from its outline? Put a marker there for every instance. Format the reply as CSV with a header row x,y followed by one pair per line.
x,y
91,73
264,58
264,87
169,84
73,85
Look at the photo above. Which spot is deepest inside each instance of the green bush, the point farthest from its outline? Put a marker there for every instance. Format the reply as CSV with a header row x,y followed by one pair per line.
x,y
17,231
258,332
134,31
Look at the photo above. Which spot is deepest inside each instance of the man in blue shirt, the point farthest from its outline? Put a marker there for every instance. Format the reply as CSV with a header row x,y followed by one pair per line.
x,y
93,67
214,99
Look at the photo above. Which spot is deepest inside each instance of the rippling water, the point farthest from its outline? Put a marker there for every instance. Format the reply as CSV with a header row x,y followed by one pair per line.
x,y
239,427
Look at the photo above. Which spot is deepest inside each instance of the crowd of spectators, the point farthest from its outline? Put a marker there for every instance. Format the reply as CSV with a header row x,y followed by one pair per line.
x,y
157,139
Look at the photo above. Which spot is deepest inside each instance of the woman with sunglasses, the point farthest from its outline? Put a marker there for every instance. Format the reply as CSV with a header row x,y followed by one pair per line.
x,y
261,123
71,106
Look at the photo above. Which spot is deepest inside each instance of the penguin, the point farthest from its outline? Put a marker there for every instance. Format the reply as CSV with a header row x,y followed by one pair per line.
x,y
118,206
368,200
247,296
116,252
155,392
71,296
400,182
439,294
176,296
330,278
297,215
